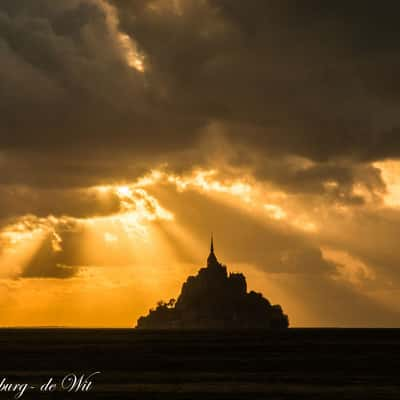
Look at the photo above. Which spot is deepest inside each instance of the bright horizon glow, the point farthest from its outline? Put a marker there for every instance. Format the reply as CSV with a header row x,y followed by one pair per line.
x,y
139,247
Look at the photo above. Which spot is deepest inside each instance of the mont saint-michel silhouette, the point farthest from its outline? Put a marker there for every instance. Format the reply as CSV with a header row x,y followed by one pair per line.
x,y
215,300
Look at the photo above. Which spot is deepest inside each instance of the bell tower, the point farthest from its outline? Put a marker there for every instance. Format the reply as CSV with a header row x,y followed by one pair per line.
x,y
212,259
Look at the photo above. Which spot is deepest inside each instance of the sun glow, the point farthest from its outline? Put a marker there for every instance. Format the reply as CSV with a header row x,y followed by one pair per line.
x,y
207,181
123,191
275,211
133,58
139,219
139,230
390,171
137,210
244,193
20,240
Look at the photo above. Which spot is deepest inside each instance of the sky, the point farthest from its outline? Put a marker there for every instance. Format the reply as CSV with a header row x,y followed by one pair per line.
x,y
132,129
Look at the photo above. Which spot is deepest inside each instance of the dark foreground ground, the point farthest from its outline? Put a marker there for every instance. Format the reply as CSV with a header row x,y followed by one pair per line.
x,y
293,364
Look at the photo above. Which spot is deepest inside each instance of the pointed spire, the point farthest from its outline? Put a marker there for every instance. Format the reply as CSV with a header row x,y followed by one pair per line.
x,y
212,259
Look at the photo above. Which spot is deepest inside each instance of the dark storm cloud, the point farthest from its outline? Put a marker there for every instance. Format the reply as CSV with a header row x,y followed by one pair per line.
x,y
335,181
304,78
312,80
20,200
309,79
65,84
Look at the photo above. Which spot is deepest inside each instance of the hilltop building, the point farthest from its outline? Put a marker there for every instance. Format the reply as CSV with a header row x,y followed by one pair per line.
x,y
214,299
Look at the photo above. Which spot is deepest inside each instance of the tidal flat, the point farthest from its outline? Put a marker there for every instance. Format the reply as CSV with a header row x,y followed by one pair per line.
x,y
288,364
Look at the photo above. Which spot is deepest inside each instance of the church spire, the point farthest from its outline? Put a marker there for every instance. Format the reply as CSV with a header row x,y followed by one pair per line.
x,y
212,259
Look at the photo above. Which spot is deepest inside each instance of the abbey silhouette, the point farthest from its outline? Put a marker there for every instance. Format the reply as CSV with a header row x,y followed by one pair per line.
x,y
215,300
